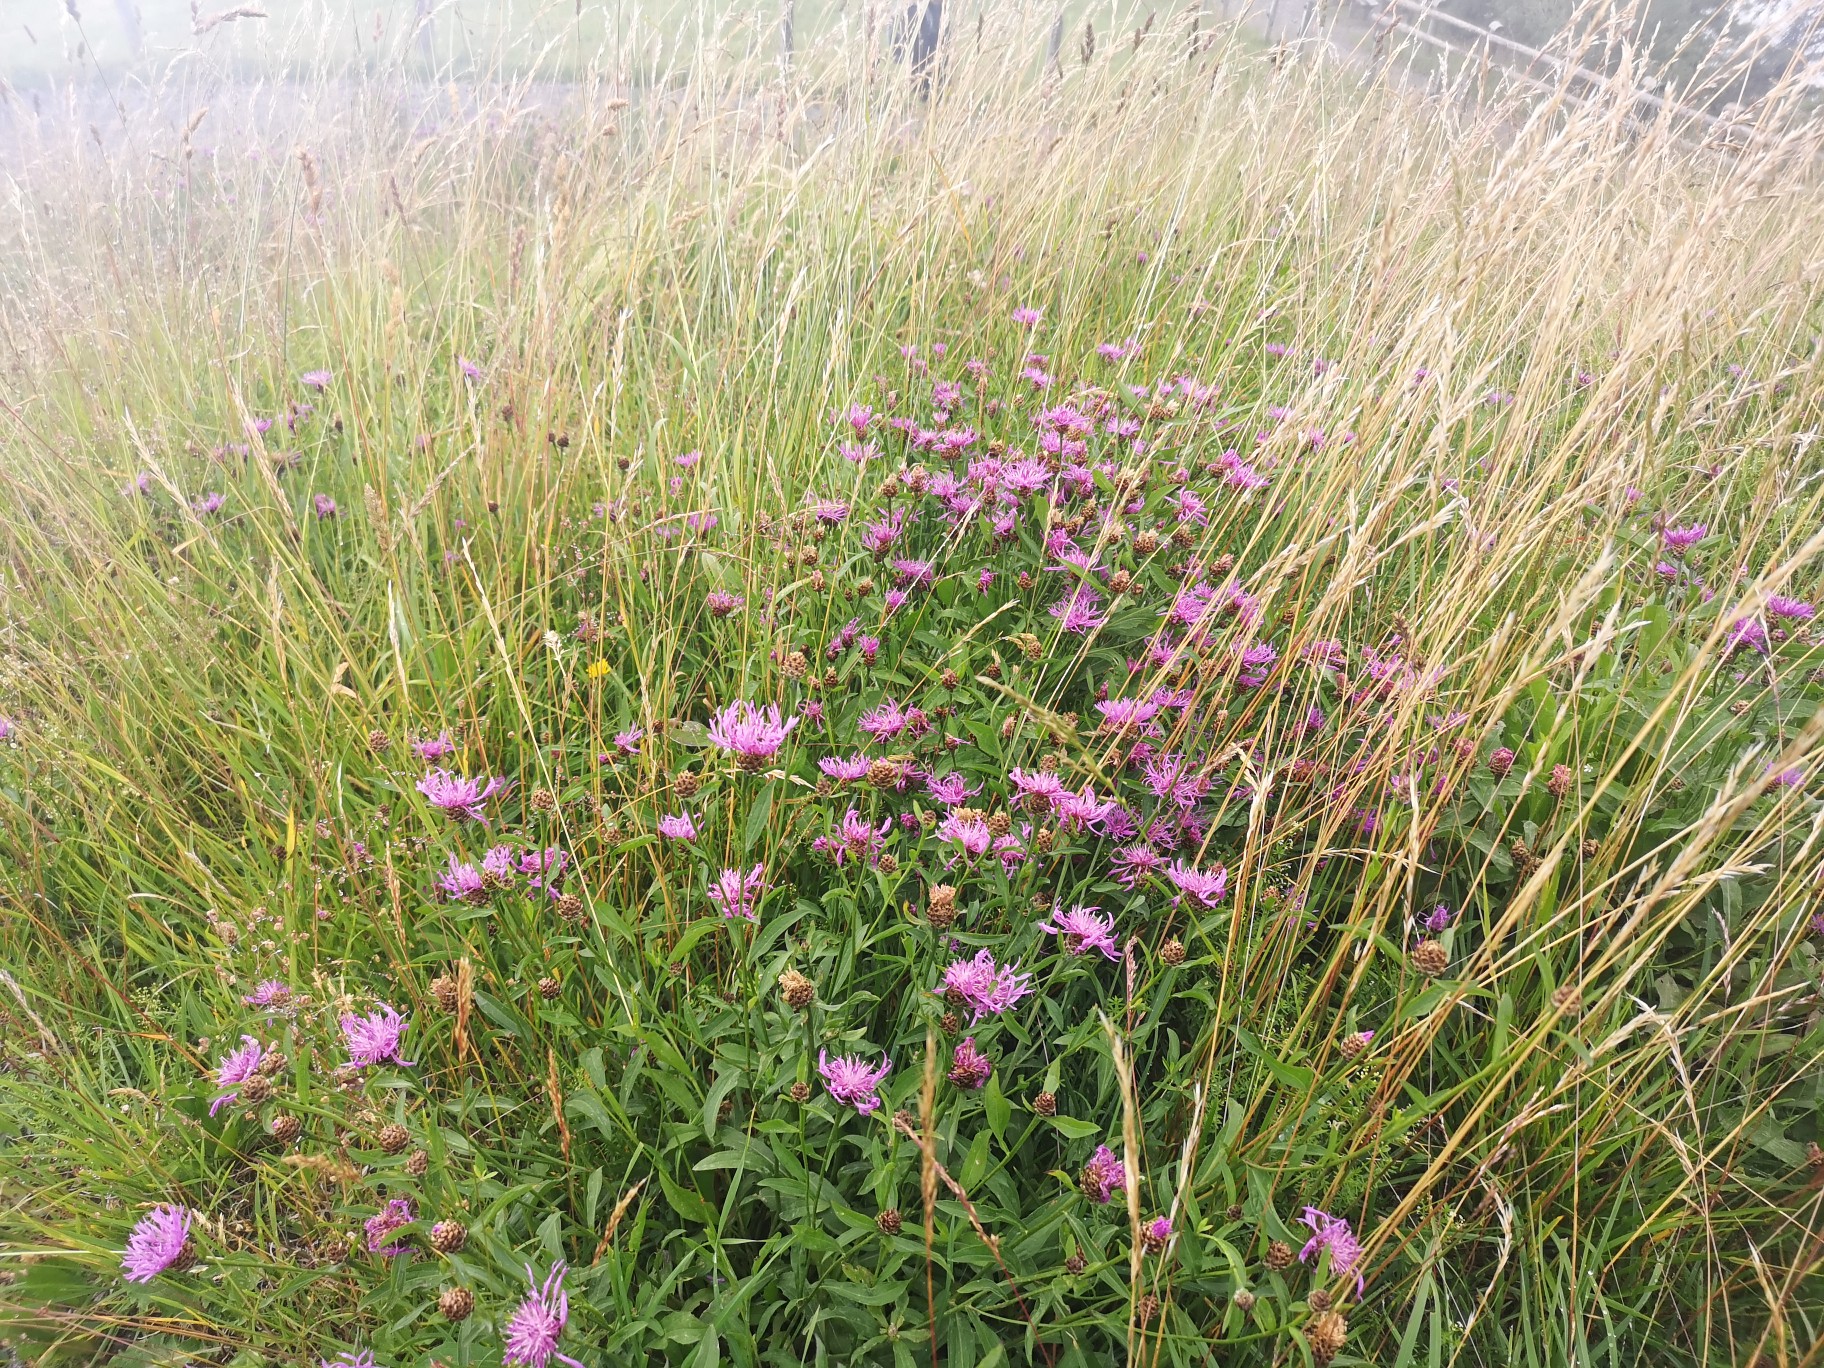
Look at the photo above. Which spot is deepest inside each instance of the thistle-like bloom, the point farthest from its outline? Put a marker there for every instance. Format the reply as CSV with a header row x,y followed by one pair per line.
x,y
462,882
543,866
851,1081
721,603
160,1241
951,789
1798,610
317,380
497,866
324,505
1133,863
1746,632
628,742
1082,930
1119,714
969,1067
458,798
1679,540
1333,1234
1082,811
375,1038
988,988
1439,917
435,749
269,993
1203,887
736,894
234,1070
752,734
1040,788
209,503
678,828
1157,1233
885,721
970,834
1076,612
396,1213
1102,1175
845,769
1026,316
350,1358
533,1332
857,840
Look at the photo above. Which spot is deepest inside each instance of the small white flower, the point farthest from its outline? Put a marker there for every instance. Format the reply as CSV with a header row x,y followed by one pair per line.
x,y
554,643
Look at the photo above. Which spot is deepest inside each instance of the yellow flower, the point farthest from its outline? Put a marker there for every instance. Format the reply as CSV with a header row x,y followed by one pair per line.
x,y
597,669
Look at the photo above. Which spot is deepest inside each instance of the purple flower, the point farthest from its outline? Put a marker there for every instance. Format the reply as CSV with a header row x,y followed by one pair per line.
x,y
374,1038
885,721
1082,811
1798,610
721,603
1749,632
317,380
533,1332
988,989
1439,918
469,369
969,1067
463,882
209,503
235,1069
1679,540
628,742
1333,1234
1133,863
1076,612
1158,1233
1041,789
752,734
1026,316
1103,1174
970,834
845,769
1201,887
396,1213
434,750
160,1241
543,867
1119,714
678,828
350,1358
851,1081
951,788
736,894
497,865
325,506
269,993
458,798
1082,930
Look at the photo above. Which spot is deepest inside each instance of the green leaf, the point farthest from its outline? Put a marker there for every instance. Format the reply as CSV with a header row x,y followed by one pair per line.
x,y
995,1107
687,1202
758,816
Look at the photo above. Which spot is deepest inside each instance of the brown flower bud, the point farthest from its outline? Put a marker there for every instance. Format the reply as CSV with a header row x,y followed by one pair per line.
x,y
456,1303
255,1091
449,1236
549,988
1147,1308
1042,840
685,783
1279,1255
950,679
801,1091
795,665
884,773
1233,1211
1353,1044
1319,1300
1075,1264
1243,1299
286,1128
1146,542
1046,1104
1567,999
797,990
417,1162
570,907
378,741
1000,823
1430,958
544,800
940,908
949,1024
1560,782
889,1221
393,1138
1326,1335
1172,952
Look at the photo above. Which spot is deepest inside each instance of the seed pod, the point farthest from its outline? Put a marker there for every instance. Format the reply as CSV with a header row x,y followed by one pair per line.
x,y
1319,1300
443,989
940,909
449,1236
1243,1299
456,1303
1326,1335
1146,542
949,1024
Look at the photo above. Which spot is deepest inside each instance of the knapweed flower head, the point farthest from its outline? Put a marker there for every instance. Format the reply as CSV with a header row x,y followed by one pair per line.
x,y
324,505
1332,1233
736,894
1791,609
678,827
270,993
969,1067
462,882
543,867
1157,1233
535,1328
628,742
1439,918
754,735
950,789
986,987
1083,929
434,748
235,1069
1203,887
458,798
1102,1175
159,1242
350,1358
374,1038
845,769
1679,540
318,380
380,1227
851,1081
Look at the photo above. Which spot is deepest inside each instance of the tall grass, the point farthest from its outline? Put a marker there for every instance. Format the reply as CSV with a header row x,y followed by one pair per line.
x,y
1485,355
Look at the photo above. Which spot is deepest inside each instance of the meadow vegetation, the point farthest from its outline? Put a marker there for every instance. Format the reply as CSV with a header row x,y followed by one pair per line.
x,y
1163,709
